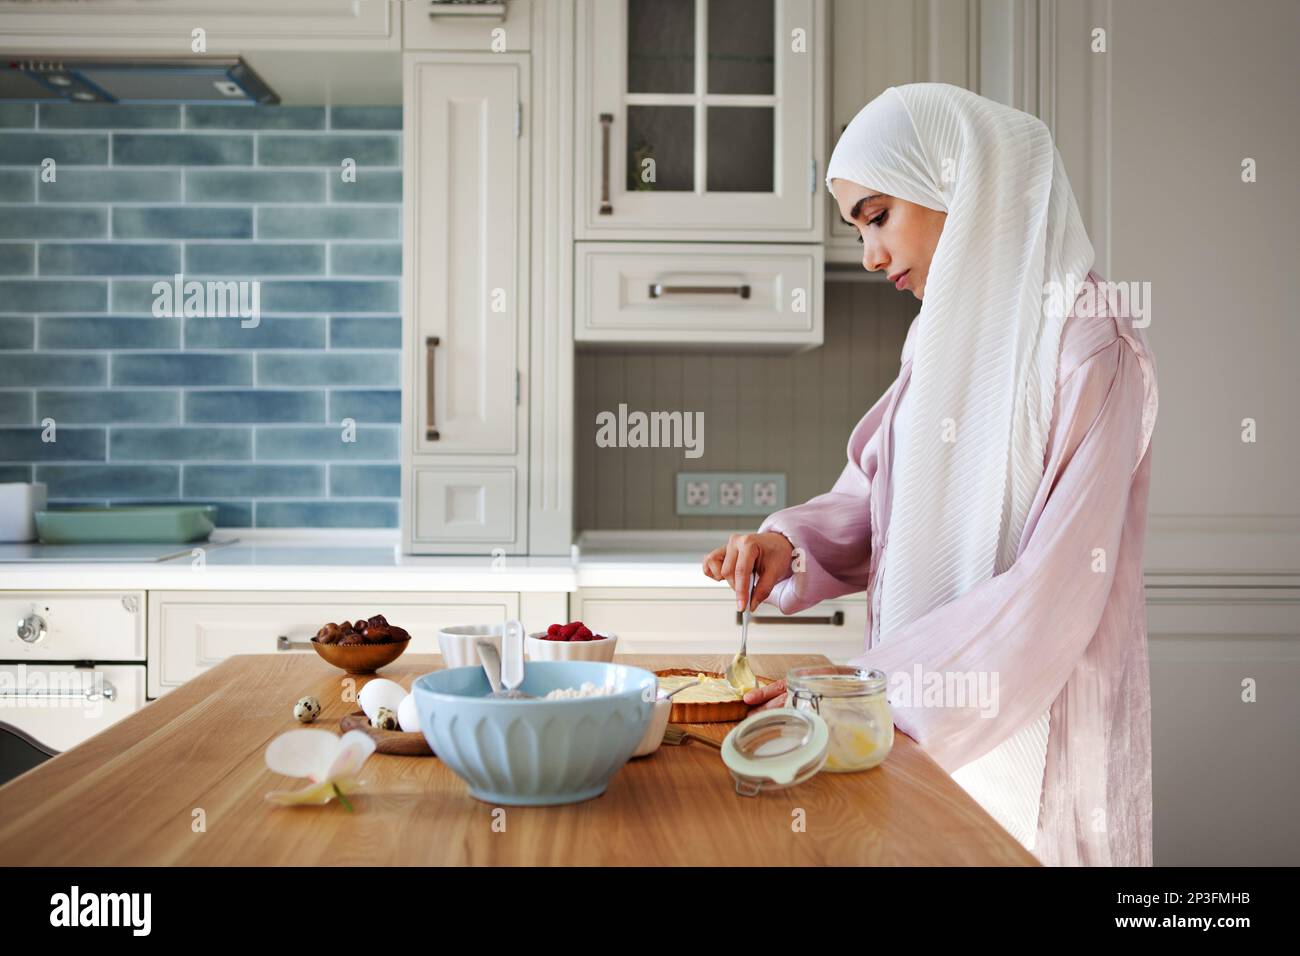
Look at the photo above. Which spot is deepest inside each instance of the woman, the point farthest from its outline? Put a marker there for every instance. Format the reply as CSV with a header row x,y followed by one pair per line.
x,y
994,501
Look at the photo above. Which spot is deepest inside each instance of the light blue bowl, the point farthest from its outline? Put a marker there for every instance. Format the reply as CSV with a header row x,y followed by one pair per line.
x,y
536,752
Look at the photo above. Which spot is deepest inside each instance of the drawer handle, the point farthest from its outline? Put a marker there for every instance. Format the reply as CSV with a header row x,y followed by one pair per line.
x,y
282,643
431,343
106,691
834,620
606,207
658,289
481,10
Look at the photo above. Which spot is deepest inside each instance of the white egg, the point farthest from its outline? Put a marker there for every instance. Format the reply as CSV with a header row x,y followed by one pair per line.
x,y
406,715
380,692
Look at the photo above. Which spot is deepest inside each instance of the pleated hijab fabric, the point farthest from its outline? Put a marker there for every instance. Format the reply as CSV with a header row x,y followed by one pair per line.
x,y
1005,273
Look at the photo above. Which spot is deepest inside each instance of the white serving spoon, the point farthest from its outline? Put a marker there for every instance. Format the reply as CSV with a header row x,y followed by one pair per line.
x,y
487,653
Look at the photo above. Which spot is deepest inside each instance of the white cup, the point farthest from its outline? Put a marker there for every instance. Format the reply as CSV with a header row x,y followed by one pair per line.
x,y
654,732
19,502
456,644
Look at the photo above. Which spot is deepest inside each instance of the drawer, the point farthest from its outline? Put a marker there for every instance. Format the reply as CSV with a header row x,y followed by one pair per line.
x,y
74,625
60,705
130,27
743,296
190,631
465,29
703,621
463,506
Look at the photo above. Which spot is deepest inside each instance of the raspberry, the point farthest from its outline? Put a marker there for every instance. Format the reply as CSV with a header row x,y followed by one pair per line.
x,y
552,632
568,631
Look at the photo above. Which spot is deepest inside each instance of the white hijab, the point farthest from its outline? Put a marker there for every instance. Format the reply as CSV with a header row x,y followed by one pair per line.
x,y
1005,273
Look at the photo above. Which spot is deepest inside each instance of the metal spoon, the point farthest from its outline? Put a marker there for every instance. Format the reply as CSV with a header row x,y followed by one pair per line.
x,y
738,673
669,695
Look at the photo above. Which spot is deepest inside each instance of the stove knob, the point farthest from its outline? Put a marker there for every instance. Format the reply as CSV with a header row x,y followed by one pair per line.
x,y
32,629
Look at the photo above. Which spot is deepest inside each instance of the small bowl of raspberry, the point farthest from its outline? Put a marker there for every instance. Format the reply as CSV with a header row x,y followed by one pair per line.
x,y
573,641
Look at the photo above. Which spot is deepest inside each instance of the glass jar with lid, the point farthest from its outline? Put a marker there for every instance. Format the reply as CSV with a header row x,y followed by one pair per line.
x,y
852,702
775,749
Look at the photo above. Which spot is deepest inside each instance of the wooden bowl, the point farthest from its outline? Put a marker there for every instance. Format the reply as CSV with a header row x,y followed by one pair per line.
x,y
712,712
399,742
360,658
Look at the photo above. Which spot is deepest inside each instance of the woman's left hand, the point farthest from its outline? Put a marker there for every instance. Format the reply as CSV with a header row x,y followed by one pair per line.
x,y
767,697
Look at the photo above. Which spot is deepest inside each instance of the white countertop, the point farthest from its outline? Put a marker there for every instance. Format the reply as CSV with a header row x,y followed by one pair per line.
x,y
365,561
317,560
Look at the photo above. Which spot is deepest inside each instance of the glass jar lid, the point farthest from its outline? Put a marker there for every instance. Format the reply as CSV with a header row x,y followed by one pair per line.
x,y
774,749
835,680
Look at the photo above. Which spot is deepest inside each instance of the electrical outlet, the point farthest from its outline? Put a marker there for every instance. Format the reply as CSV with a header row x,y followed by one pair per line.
x,y
697,494
729,493
764,494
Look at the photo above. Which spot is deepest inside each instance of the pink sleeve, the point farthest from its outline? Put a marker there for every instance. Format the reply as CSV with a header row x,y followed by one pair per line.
x,y
1029,626
832,532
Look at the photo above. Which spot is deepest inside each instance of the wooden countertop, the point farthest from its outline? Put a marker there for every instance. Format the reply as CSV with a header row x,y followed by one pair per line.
x,y
130,796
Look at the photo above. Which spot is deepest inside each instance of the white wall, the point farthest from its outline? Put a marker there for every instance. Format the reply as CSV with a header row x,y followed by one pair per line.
x,y
1153,133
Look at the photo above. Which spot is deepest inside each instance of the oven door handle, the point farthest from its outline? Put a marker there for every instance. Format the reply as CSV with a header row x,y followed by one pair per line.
x,y
106,690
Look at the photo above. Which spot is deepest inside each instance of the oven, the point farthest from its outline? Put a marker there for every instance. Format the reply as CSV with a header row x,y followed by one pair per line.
x,y
71,664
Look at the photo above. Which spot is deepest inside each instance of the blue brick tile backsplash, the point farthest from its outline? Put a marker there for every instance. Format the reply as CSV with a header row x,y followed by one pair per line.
x,y
200,305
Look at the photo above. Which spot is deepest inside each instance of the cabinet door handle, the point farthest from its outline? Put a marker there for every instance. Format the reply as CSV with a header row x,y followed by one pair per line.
x,y
606,207
658,290
282,643
430,343
457,9
834,620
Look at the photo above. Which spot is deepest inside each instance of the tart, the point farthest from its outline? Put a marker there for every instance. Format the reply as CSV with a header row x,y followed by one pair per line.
x,y
712,702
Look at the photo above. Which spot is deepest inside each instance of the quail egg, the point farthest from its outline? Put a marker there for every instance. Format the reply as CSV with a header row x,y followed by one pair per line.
x,y
380,692
306,710
384,719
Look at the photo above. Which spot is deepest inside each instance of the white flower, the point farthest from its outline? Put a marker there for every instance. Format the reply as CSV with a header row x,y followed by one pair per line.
x,y
331,762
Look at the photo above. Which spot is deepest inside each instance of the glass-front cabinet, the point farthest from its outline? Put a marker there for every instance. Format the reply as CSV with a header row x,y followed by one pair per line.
x,y
700,119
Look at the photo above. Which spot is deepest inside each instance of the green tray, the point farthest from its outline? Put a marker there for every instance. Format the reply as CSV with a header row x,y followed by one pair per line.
x,y
127,523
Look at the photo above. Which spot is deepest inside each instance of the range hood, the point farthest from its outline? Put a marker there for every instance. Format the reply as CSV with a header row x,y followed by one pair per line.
x,y
43,78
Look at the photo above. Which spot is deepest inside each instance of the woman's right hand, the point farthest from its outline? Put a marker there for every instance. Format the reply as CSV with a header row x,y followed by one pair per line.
x,y
769,553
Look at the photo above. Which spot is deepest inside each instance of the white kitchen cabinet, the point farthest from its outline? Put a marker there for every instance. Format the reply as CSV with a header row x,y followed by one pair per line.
x,y
704,621
463,504
738,296
700,120
190,631
230,26
876,44
465,287
1225,762
499,27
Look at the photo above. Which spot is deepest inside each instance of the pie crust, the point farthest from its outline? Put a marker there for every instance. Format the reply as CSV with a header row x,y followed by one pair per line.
x,y
708,712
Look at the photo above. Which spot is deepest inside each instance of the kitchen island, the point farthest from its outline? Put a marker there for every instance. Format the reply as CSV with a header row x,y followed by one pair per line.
x,y
182,782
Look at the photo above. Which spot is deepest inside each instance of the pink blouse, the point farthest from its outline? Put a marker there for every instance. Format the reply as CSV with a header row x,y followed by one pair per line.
x,y
1063,628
